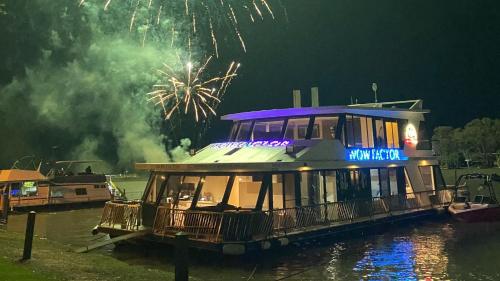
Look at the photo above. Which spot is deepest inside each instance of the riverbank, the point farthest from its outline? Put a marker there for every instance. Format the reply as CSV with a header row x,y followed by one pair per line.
x,y
54,261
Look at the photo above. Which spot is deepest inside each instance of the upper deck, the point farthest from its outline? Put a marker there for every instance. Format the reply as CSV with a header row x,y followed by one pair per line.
x,y
327,137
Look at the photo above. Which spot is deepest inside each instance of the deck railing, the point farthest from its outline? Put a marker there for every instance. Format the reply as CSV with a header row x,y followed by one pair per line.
x,y
125,216
250,225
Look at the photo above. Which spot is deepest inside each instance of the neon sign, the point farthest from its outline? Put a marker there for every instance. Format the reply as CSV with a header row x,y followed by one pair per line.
x,y
375,154
241,144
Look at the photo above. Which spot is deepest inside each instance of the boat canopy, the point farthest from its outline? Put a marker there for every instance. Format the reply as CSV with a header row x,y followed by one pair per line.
x,y
16,175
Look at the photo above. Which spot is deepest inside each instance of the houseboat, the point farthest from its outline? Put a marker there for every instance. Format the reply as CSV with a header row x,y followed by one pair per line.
x,y
286,175
27,189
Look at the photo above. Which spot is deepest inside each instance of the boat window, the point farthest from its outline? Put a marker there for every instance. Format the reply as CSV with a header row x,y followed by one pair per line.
x,y
244,131
245,191
81,191
297,129
426,173
267,130
408,186
327,127
375,182
331,186
384,183
277,191
438,177
234,129
212,191
380,134
180,191
359,131
56,191
392,134
154,187
393,181
289,187
24,189
310,186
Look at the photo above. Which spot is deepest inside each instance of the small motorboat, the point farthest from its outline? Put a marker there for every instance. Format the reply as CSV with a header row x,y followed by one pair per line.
x,y
484,206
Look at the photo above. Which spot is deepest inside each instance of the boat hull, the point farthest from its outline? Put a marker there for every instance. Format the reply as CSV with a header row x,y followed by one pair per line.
x,y
483,214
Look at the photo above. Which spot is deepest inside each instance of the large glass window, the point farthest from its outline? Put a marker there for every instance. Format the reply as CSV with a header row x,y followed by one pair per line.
x,y
331,186
297,128
392,133
393,181
277,186
244,131
380,134
327,126
310,186
154,188
426,173
289,190
212,191
375,182
234,130
267,130
245,191
359,131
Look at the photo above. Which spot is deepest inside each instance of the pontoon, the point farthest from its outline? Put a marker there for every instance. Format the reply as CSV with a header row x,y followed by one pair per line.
x,y
290,174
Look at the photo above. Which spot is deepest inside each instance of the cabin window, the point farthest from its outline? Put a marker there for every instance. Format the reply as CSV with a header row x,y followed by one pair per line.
x,y
277,192
154,188
234,130
179,191
267,130
375,182
81,191
24,189
56,191
359,131
392,134
380,134
310,188
297,129
289,190
327,127
426,173
331,186
212,191
244,131
438,177
393,181
245,191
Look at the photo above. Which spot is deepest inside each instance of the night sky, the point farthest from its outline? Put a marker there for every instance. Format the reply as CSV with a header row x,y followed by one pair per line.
x,y
445,52
73,79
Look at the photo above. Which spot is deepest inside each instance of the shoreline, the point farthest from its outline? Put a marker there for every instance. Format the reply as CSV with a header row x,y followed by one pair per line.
x,y
54,261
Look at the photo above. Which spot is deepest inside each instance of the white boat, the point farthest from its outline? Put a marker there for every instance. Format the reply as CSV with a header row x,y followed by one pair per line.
x,y
291,174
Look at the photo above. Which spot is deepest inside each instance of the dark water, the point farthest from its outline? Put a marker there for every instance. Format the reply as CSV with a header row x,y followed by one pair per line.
x,y
440,249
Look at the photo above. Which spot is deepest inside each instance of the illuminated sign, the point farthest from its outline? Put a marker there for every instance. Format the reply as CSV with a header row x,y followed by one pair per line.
x,y
375,154
411,136
241,144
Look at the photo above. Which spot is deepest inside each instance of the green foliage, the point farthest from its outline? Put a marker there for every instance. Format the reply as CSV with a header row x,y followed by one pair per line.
x,y
478,141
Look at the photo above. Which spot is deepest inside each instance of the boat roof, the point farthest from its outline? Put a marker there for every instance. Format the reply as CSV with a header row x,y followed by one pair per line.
x,y
16,175
371,109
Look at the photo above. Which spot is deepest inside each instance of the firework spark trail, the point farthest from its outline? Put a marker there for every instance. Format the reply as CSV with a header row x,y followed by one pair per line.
x,y
190,91
205,17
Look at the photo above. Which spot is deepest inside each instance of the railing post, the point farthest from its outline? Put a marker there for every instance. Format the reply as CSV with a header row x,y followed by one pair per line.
x,y
181,257
5,207
28,238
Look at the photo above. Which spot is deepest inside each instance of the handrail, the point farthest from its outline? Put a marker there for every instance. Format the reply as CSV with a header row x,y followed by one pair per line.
x,y
122,215
250,225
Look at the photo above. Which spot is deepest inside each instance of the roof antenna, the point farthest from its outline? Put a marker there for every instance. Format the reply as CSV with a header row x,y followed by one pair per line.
x,y
375,88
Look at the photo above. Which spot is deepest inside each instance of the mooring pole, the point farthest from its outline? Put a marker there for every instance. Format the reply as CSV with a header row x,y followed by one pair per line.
x,y
28,238
5,206
181,257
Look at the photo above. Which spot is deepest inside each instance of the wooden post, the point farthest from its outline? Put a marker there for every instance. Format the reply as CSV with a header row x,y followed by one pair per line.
x,y
28,238
5,206
181,257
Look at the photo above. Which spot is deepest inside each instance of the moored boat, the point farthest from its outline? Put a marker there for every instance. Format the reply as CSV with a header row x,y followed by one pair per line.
x,y
484,207
27,189
290,174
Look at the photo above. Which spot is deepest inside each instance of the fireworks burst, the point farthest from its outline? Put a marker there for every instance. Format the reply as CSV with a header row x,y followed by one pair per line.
x,y
204,17
189,92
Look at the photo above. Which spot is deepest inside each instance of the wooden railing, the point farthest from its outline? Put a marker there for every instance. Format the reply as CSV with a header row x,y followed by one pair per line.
x,y
231,226
125,216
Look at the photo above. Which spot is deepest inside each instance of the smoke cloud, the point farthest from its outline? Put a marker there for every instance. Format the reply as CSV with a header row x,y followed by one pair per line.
x,y
84,98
